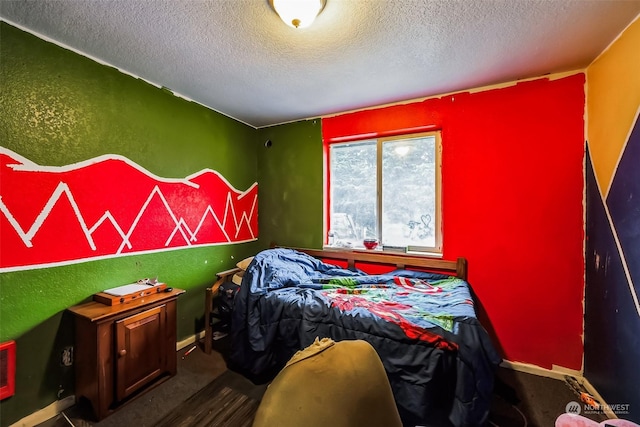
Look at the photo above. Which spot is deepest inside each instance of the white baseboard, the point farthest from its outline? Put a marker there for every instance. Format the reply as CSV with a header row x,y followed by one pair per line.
x,y
46,413
189,340
558,373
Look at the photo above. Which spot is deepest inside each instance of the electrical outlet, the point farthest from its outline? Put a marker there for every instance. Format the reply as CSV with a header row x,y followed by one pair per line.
x,y
67,356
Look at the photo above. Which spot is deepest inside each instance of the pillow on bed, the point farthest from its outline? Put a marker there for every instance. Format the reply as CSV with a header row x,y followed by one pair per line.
x,y
244,264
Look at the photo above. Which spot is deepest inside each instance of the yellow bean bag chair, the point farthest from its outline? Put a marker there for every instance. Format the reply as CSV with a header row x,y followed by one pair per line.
x,y
337,384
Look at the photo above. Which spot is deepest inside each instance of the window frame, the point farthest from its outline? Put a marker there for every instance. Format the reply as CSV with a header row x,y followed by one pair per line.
x,y
437,249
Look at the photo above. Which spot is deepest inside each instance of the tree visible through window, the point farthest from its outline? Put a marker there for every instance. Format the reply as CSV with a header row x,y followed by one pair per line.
x,y
387,189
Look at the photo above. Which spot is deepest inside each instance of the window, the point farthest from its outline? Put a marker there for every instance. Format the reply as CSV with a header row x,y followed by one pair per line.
x,y
387,189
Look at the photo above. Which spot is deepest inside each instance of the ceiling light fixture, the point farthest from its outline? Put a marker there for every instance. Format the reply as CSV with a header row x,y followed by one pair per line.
x,y
298,13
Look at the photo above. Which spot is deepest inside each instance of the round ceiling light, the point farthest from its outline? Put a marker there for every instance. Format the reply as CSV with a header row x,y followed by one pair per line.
x,y
298,13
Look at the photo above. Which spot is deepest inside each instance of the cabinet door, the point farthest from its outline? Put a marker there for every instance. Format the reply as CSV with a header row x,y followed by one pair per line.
x,y
140,350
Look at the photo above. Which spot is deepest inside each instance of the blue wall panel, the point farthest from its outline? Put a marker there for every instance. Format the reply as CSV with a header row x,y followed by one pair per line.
x,y
612,324
624,204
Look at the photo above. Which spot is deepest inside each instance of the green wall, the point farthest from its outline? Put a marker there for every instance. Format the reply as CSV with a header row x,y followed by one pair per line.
x,y
58,108
290,177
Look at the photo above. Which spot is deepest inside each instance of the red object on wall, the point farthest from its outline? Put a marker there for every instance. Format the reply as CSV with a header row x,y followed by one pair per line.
x,y
512,199
110,206
7,369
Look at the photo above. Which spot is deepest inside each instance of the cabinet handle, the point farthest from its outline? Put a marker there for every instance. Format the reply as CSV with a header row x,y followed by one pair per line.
x,y
122,353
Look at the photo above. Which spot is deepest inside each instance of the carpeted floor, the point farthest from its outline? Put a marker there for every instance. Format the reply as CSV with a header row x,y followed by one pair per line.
x,y
205,393
195,372
217,404
526,400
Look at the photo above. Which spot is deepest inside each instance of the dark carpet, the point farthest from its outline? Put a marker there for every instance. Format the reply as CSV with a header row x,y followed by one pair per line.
x,y
194,372
526,400
205,393
217,404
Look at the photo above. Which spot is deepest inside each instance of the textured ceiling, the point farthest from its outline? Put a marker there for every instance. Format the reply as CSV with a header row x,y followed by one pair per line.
x,y
238,58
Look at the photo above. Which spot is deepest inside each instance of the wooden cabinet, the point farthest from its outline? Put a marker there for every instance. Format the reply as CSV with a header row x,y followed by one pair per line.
x,y
123,350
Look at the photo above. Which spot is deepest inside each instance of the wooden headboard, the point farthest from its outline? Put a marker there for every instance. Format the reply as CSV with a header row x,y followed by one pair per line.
x,y
399,260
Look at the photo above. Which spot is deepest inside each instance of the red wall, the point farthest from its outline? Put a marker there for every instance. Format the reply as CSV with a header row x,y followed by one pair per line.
x,y
512,171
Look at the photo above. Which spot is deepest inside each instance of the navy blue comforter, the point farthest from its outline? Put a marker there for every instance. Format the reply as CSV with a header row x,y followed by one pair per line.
x,y
439,359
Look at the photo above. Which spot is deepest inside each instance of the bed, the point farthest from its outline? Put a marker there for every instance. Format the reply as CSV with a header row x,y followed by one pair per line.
x,y
416,312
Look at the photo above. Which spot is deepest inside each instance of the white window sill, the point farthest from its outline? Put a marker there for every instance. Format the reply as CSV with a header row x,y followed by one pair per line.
x,y
424,254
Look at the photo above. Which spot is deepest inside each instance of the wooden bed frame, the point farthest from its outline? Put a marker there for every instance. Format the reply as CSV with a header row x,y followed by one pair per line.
x,y
352,257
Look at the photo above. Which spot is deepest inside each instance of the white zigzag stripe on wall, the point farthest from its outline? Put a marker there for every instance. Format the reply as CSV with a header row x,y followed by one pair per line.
x,y
63,189
107,216
27,237
27,234
155,191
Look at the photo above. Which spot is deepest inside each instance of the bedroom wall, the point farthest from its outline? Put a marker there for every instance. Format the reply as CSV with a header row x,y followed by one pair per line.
x,y
59,108
291,184
512,204
612,310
